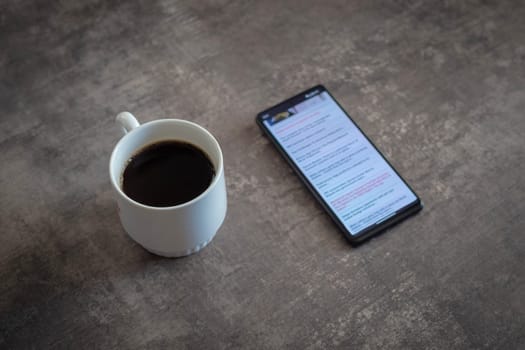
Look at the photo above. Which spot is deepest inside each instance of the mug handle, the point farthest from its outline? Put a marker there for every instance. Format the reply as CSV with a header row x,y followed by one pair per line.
x,y
127,121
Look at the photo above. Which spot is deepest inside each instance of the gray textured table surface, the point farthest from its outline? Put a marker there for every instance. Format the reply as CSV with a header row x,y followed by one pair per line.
x,y
438,86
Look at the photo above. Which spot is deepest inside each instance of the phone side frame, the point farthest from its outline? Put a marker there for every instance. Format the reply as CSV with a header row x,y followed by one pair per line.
x,y
401,214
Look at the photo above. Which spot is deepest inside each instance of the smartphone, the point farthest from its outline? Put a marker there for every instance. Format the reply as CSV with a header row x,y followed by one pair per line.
x,y
344,170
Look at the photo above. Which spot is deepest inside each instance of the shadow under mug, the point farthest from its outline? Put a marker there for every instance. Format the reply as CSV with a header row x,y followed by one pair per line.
x,y
169,231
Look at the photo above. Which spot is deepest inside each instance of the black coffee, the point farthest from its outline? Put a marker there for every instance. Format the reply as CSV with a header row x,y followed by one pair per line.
x,y
167,173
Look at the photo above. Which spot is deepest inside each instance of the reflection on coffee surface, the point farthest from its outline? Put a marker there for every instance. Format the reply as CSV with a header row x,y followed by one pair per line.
x,y
167,173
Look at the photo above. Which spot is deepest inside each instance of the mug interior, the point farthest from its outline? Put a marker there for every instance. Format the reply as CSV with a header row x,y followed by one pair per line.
x,y
161,130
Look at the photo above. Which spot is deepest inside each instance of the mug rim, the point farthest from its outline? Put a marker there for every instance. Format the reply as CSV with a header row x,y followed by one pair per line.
x,y
150,124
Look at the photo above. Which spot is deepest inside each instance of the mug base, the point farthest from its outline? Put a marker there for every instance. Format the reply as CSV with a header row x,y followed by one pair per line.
x,y
180,253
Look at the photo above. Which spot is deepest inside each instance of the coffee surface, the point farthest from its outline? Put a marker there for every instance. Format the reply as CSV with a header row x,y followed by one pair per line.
x,y
167,173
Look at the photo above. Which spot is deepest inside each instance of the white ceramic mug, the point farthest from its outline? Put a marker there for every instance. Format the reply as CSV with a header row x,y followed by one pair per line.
x,y
169,231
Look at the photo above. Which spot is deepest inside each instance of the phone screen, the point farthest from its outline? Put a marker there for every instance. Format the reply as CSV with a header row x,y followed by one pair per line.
x,y
336,158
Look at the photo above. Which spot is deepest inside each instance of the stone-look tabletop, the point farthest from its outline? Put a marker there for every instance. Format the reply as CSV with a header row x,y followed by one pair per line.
x,y
438,86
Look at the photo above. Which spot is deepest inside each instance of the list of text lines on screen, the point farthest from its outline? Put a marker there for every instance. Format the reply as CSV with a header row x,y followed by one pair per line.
x,y
358,185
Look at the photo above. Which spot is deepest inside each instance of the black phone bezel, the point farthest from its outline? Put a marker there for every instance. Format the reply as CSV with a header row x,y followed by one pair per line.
x,y
368,232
